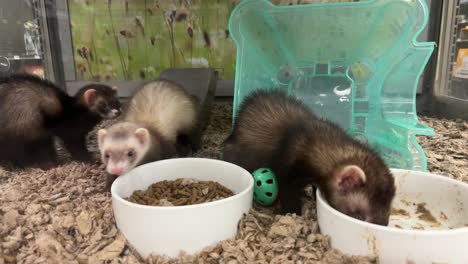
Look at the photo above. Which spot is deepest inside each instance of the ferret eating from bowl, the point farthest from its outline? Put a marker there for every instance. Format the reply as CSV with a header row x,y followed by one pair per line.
x,y
278,131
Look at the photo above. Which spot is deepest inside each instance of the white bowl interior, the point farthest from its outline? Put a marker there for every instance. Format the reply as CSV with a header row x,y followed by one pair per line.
x,y
200,169
170,230
412,236
429,202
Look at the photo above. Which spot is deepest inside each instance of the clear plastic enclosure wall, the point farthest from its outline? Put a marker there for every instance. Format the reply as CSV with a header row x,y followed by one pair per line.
x,y
357,64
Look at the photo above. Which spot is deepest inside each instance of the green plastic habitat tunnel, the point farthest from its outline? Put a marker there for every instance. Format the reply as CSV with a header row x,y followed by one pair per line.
x,y
357,64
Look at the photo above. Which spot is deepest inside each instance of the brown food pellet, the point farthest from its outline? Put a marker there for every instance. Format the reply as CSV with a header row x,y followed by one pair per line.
x,y
180,192
425,214
401,212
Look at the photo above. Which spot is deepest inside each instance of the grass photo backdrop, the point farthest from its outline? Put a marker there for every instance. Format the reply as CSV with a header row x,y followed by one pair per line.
x,y
137,39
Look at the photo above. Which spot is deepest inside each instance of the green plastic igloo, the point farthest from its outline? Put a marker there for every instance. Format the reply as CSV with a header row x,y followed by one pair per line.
x,y
356,64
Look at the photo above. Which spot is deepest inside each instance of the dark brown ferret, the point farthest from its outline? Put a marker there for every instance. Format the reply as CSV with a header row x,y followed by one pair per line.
x,y
34,110
280,132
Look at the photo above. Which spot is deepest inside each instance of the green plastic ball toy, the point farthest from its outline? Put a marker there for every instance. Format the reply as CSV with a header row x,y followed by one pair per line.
x,y
265,186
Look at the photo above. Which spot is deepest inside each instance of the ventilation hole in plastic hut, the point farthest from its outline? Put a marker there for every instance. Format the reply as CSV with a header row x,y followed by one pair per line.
x,y
259,183
285,74
270,181
264,171
269,194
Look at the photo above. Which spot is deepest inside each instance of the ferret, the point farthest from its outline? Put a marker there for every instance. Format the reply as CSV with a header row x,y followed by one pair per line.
x,y
159,123
33,111
278,131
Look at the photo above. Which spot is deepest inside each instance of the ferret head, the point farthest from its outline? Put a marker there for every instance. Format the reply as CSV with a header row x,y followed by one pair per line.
x,y
363,194
122,147
101,100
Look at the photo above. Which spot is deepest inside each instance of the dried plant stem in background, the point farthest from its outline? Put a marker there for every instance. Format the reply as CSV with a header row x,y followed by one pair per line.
x,y
147,9
190,34
169,18
85,53
93,45
116,38
129,58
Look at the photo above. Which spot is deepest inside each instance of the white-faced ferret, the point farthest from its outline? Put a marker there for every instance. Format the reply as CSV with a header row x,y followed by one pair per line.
x,y
34,110
159,123
278,131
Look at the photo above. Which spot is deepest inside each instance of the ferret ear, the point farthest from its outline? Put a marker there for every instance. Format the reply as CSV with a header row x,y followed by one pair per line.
x,y
114,88
349,178
89,96
143,135
101,134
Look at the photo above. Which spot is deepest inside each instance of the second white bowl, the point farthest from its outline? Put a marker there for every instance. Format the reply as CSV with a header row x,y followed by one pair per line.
x,y
427,225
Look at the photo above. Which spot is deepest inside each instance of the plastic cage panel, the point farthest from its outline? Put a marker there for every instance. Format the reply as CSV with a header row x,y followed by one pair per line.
x,y
356,64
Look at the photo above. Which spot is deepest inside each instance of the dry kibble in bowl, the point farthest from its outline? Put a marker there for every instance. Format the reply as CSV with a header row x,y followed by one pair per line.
x,y
182,191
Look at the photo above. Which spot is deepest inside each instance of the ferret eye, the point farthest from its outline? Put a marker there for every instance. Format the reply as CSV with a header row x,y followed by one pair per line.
x,y
103,105
107,155
130,154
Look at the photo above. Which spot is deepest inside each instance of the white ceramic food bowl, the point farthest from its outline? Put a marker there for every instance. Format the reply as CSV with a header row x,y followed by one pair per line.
x,y
169,230
444,239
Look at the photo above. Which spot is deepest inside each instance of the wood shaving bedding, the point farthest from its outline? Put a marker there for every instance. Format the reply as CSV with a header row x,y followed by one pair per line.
x,y
63,215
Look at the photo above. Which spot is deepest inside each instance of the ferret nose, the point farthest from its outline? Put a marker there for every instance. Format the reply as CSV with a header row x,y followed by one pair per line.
x,y
116,170
114,113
